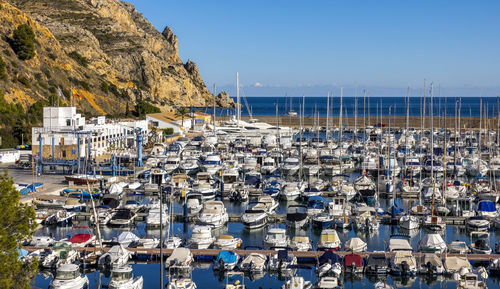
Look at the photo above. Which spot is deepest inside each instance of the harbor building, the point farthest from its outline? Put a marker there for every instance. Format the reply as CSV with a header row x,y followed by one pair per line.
x,y
65,132
196,121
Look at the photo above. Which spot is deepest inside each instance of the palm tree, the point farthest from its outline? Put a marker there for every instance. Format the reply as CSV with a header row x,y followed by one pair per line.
x,y
182,112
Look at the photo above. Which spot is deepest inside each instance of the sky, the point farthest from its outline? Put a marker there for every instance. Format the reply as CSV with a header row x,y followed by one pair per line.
x,y
310,47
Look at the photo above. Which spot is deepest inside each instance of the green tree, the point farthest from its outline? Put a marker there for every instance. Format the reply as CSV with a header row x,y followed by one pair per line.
x,y
16,224
23,42
3,72
182,112
143,107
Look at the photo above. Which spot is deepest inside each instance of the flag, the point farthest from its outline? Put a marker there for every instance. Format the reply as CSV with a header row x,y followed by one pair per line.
x,y
76,94
61,94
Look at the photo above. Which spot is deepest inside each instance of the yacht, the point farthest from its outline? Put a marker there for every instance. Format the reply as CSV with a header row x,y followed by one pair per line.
x,y
276,237
181,259
296,216
329,241
409,222
154,216
213,214
122,218
268,166
290,166
123,278
300,243
290,192
201,237
117,256
69,276
254,218
227,242
212,164
254,263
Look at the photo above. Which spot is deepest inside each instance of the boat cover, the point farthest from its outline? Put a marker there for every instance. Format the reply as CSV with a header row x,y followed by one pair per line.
x,y
127,237
433,259
486,206
226,256
454,263
354,243
432,241
330,237
329,257
355,259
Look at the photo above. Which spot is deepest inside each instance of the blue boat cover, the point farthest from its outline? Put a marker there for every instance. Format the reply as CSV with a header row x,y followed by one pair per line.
x,y
329,257
486,206
252,181
226,256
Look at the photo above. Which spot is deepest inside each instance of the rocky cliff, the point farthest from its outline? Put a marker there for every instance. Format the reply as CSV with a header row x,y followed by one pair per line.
x,y
105,49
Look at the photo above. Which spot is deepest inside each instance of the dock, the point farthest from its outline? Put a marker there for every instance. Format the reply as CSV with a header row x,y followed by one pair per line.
x,y
301,255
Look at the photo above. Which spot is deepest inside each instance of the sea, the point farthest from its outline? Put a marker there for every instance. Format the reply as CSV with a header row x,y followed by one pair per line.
x,y
369,106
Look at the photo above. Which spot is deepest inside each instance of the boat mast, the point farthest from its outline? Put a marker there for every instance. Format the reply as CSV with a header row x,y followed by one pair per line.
x,y
238,105
432,152
215,91
340,120
327,115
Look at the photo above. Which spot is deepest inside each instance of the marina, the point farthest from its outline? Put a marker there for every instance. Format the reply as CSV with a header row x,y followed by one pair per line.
x,y
295,202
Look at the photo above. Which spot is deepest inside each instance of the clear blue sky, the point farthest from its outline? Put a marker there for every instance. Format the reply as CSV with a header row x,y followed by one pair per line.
x,y
312,44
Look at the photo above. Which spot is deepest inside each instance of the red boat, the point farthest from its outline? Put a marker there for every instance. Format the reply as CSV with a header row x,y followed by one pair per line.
x,y
83,179
82,237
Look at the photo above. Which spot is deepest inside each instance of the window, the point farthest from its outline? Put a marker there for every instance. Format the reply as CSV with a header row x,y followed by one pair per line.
x,y
64,153
68,122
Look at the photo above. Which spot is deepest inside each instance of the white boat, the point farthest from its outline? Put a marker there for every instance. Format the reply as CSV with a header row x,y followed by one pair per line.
x,y
212,164
61,253
213,214
276,237
434,223
123,278
382,285
297,282
300,243
181,283
409,222
268,166
290,166
283,262
430,264
201,237
172,242
254,218
194,202
432,243
329,240
180,259
254,263
227,242
327,282
290,192
69,276
403,263
41,241
171,164
355,245
116,257
470,281
154,216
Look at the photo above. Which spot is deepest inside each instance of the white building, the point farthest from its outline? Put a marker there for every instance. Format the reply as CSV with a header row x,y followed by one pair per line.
x,y
63,128
164,120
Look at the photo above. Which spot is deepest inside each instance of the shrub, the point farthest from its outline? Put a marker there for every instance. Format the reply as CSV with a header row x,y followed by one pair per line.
x,y
143,107
23,42
82,60
52,56
24,80
3,72
105,87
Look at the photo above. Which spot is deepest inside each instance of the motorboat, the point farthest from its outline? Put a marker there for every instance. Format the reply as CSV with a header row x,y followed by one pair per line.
x,y
487,209
212,164
227,242
125,239
355,245
276,237
329,264
434,223
300,243
409,222
382,285
327,282
377,264
115,257
226,261
470,281
201,237
268,166
60,218
254,263
323,220
41,241
296,216
479,223
456,264
61,253
82,237
254,218
181,283
122,218
156,217
123,278
194,203
172,242
403,263
282,262
480,246
329,241
213,214
69,276
353,263
290,166
432,243
290,192
316,205
430,264
297,282
181,259
458,247
235,277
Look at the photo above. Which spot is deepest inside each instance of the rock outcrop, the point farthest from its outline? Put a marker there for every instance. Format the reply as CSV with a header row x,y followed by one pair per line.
x,y
104,48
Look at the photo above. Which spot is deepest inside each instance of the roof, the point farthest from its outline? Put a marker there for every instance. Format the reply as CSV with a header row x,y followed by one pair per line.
x,y
167,116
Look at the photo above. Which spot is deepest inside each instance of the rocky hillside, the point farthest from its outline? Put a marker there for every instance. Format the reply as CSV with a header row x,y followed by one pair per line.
x,y
105,49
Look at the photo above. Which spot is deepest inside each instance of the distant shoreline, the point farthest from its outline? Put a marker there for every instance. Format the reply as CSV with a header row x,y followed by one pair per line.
x,y
396,121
